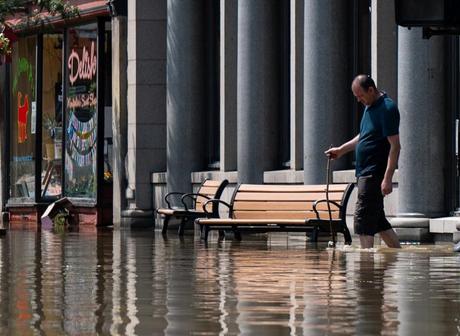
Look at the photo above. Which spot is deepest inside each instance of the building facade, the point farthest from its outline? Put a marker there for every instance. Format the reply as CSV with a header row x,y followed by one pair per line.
x,y
256,90
57,99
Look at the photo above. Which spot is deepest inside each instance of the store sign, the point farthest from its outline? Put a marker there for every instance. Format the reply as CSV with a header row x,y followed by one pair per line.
x,y
84,100
82,66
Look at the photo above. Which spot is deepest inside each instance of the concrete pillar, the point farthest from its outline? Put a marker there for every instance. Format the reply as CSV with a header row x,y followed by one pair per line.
x,y
258,89
185,93
228,83
326,84
384,44
146,104
422,104
119,114
3,141
296,85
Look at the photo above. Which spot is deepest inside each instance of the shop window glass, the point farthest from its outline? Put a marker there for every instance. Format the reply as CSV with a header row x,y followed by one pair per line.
x,y
52,116
81,113
23,119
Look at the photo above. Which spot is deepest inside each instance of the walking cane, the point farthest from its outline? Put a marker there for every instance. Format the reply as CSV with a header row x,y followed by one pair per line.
x,y
328,172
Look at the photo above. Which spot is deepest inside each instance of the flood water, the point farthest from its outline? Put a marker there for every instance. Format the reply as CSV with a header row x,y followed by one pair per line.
x,y
137,283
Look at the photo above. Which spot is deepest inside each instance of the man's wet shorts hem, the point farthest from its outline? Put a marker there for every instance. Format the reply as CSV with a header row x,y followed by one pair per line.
x,y
369,216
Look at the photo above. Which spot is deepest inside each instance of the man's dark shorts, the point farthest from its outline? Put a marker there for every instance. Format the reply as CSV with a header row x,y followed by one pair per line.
x,y
369,214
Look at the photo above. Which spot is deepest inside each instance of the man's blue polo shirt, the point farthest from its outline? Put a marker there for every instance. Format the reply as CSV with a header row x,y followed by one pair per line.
x,y
379,121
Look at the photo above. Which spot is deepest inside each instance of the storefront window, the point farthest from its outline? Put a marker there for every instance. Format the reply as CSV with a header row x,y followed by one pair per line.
x,y
81,113
23,119
52,116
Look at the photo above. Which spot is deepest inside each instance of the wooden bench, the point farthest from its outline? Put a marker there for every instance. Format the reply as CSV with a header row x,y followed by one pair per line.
x,y
209,189
264,208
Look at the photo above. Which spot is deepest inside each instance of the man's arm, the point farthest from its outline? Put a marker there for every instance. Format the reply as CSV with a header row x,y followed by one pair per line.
x,y
337,152
395,148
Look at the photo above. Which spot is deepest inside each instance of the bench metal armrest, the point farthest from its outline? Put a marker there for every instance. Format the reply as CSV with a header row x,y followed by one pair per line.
x,y
324,201
193,196
171,194
218,201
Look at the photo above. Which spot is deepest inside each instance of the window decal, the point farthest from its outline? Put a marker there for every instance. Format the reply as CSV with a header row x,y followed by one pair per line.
x,y
23,112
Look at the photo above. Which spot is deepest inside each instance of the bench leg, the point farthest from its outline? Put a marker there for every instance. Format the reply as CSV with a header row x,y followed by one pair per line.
x,y
237,234
346,234
165,225
205,231
221,235
181,230
314,235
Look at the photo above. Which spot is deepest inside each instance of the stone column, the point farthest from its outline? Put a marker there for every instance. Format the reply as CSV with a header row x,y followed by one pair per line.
x,y
3,140
422,104
119,114
384,46
326,85
258,89
228,83
146,104
185,93
296,87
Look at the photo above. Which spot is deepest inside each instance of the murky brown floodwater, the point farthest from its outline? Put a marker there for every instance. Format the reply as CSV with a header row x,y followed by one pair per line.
x,y
136,283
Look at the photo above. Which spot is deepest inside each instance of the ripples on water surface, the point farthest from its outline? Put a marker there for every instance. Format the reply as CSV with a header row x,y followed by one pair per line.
x,y
136,283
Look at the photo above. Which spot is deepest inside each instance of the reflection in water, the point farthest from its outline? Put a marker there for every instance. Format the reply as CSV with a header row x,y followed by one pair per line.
x,y
135,283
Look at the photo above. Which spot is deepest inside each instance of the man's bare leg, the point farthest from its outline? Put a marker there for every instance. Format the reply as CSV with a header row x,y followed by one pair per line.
x,y
366,241
390,238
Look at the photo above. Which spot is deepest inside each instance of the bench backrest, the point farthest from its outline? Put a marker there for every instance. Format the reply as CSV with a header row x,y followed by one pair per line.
x,y
251,201
211,189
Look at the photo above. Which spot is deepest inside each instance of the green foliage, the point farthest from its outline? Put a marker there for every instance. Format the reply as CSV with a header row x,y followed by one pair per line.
x,y
24,67
30,14
5,45
61,219
32,8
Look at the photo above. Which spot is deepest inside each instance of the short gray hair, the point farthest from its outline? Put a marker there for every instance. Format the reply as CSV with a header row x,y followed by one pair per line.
x,y
365,81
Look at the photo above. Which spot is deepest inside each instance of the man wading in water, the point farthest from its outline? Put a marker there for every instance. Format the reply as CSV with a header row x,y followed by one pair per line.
x,y
377,150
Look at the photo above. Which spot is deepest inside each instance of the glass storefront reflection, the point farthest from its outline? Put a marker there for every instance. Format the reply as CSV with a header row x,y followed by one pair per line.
x,y
23,119
52,116
81,112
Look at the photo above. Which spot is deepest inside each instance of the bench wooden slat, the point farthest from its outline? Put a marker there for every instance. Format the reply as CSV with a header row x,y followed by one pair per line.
x,y
199,208
273,205
276,215
225,221
212,183
200,199
169,212
291,188
260,196
199,204
207,190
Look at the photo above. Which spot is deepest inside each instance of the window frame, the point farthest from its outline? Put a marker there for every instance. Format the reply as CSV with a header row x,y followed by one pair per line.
x,y
100,80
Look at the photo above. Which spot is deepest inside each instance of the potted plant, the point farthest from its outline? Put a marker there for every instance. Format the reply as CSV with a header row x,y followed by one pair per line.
x,y
54,148
5,48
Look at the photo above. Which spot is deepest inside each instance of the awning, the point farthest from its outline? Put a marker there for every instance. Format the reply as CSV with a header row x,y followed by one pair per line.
x,y
87,10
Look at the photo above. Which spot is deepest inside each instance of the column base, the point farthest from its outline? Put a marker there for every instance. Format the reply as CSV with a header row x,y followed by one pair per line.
x,y
412,227
457,247
419,235
137,218
456,235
